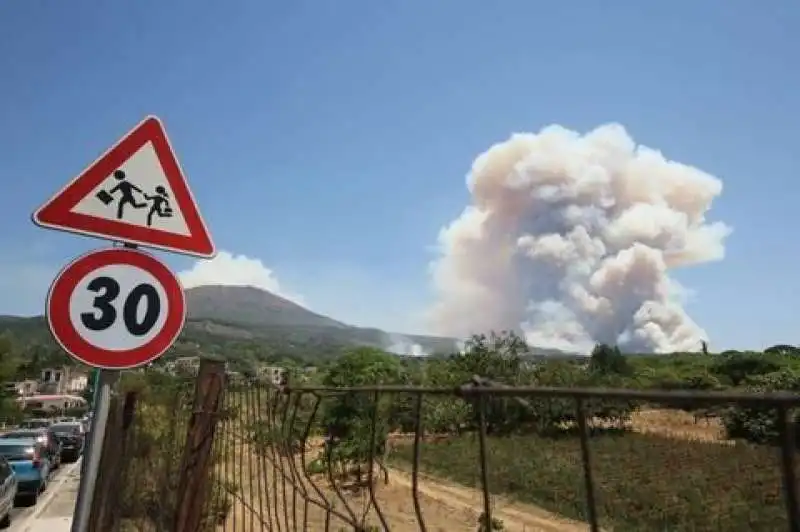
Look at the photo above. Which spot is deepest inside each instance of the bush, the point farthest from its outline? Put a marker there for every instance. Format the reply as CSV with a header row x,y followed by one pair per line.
x,y
155,450
760,424
736,368
347,418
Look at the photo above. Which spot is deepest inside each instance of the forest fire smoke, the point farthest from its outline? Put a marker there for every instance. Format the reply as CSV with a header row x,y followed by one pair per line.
x,y
570,238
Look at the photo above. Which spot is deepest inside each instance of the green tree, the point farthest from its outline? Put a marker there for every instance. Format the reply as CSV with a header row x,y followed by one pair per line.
x,y
782,349
356,422
736,368
442,414
761,424
606,360
498,357
9,408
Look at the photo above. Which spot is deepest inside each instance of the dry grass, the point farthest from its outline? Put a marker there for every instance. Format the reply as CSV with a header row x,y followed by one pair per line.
x,y
678,424
263,501
270,492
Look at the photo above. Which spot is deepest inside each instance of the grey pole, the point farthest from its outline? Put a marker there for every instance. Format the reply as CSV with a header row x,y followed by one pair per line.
x,y
91,458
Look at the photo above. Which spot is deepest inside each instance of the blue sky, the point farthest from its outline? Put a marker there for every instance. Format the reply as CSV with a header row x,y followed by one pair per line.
x,y
331,140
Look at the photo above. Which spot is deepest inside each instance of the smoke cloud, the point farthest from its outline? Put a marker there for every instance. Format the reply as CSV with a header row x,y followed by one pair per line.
x,y
401,345
570,238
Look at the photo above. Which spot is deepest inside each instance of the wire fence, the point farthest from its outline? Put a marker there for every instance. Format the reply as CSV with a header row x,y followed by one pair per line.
x,y
336,458
478,457
153,452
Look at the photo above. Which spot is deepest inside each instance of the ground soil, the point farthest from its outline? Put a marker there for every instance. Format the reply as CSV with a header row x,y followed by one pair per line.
x,y
445,507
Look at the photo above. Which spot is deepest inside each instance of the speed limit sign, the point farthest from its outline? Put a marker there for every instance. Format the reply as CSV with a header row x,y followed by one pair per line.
x,y
116,308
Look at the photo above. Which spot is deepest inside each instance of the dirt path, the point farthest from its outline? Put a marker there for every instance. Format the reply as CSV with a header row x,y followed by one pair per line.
x,y
445,507
515,516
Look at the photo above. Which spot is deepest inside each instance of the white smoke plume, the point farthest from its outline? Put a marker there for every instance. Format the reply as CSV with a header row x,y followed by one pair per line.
x,y
570,238
400,345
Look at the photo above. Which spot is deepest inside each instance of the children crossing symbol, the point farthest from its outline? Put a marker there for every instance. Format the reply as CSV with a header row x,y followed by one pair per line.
x,y
158,202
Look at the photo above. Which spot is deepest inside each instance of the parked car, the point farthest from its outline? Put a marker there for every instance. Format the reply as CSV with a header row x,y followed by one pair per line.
x,y
29,463
72,437
52,447
39,423
8,492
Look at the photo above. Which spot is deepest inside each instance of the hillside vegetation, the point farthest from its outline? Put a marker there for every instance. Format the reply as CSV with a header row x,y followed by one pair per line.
x,y
248,326
643,481
250,306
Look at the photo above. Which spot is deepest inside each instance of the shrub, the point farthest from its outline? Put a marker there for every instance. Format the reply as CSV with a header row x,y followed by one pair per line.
x,y
760,424
152,468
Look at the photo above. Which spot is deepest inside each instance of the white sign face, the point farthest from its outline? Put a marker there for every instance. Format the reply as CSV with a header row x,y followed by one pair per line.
x,y
118,307
137,193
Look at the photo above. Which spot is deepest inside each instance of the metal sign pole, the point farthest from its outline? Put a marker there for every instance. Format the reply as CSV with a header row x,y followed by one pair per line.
x,y
91,458
84,335
95,387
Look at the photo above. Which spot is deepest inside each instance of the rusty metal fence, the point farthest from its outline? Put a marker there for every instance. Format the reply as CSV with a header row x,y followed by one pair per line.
x,y
244,455
156,454
283,464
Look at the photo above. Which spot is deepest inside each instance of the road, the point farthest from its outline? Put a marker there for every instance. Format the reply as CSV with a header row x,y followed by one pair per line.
x,y
53,512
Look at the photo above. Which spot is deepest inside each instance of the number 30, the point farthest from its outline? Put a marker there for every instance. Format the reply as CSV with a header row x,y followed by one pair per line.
x,y
108,313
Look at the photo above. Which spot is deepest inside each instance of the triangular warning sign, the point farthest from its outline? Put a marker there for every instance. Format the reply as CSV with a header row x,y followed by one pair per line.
x,y
135,192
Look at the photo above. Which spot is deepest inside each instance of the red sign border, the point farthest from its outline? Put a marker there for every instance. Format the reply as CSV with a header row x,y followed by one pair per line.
x,y
57,212
68,337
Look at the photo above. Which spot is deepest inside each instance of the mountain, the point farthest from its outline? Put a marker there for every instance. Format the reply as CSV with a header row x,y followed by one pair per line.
x,y
248,306
259,324
250,313
244,322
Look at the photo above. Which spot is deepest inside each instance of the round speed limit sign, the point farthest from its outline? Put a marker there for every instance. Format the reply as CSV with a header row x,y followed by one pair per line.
x,y
116,308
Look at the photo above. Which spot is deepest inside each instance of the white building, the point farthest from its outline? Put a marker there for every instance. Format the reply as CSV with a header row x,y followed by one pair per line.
x,y
64,380
52,402
275,375
22,388
183,365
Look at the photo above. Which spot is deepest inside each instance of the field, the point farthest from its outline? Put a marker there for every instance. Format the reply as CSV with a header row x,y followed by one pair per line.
x,y
261,500
678,424
668,470
666,474
643,481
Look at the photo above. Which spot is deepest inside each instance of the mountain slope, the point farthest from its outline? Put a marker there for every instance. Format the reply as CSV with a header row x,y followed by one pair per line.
x,y
243,305
247,312
222,317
